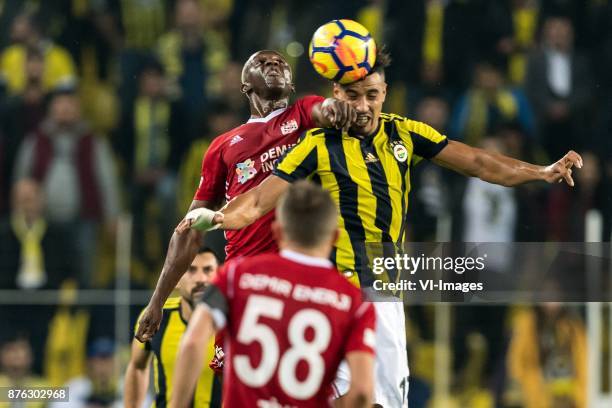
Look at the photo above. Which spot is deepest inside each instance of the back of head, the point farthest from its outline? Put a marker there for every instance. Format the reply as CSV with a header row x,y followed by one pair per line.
x,y
307,215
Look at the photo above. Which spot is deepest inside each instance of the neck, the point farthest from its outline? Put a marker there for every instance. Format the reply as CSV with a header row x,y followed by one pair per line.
x,y
261,107
321,251
186,309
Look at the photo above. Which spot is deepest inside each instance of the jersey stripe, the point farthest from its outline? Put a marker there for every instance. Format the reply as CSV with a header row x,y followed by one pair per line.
x,y
348,203
369,180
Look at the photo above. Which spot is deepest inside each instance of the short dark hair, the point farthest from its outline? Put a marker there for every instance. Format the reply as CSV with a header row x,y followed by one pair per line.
x,y
208,250
307,214
383,60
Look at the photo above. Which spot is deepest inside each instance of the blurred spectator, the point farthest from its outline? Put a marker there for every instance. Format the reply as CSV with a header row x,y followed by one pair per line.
x,y
186,59
487,104
99,386
33,253
431,191
76,171
489,209
431,42
151,142
27,33
509,32
22,114
15,366
567,208
558,85
547,359
139,24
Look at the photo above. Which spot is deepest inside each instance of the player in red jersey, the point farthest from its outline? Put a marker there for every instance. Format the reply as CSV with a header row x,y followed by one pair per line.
x,y
290,318
241,159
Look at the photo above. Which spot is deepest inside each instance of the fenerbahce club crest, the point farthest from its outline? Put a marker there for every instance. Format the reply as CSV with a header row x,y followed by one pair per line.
x,y
399,151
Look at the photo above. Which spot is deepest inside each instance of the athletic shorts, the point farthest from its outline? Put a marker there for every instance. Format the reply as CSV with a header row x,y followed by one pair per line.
x,y
391,365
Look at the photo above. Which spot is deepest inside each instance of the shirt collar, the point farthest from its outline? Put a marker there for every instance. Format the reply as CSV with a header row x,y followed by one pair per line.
x,y
305,259
271,115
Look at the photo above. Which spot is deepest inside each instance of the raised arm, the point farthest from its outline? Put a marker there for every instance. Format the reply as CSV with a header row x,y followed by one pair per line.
x,y
499,169
361,391
182,249
137,376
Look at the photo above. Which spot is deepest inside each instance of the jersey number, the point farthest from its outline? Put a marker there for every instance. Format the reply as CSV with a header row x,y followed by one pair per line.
x,y
301,349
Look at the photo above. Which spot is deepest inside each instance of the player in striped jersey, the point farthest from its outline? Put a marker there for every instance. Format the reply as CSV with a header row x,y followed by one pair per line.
x,y
161,351
367,172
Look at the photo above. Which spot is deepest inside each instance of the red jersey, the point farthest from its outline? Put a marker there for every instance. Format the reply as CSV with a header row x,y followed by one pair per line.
x,y
242,158
290,320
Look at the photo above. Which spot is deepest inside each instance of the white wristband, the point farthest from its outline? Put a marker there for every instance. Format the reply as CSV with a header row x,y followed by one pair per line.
x,y
202,219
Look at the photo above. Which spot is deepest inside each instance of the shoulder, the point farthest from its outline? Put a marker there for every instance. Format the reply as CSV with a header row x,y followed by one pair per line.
x,y
319,134
12,51
225,138
173,303
392,117
308,100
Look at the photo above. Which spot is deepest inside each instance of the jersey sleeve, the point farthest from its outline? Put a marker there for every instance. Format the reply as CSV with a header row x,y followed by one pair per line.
x,y
213,175
426,141
304,106
299,162
362,333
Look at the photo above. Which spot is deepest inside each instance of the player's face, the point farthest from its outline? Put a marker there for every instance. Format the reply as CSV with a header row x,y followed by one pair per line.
x,y
366,97
198,276
268,75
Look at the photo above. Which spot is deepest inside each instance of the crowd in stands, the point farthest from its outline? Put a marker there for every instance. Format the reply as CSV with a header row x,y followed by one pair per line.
x,y
107,107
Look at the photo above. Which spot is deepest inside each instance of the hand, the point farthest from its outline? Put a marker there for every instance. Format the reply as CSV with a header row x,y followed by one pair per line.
x,y
149,323
218,360
339,113
562,169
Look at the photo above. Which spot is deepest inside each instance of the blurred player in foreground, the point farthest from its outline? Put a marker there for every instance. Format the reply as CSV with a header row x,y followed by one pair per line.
x,y
241,159
292,314
164,345
367,172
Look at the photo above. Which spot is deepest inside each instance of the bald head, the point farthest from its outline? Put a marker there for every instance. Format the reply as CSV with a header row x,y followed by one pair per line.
x,y
254,59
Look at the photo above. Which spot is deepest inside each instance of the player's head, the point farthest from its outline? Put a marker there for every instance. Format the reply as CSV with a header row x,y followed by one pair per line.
x,y
268,75
307,219
367,95
199,274
15,354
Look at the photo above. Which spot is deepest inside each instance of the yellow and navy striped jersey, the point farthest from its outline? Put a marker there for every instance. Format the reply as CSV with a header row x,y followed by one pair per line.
x,y
164,346
369,180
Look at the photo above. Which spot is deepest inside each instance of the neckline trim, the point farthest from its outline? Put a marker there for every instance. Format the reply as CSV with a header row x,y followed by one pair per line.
x,y
271,115
305,259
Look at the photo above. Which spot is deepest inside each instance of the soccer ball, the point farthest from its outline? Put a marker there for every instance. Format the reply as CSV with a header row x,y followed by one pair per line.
x,y
343,51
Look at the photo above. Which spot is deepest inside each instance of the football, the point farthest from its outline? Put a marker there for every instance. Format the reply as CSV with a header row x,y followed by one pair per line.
x,y
342,51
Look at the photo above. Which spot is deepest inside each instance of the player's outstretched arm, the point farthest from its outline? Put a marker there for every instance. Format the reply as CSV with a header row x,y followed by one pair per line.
x,y
247,208
499,169
190,357
137,376
333,113
361,391
182,249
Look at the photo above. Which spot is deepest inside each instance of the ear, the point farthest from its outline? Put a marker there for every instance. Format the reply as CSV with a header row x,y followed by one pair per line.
x,y
292,87
338,90
277,232
245,88
335,237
